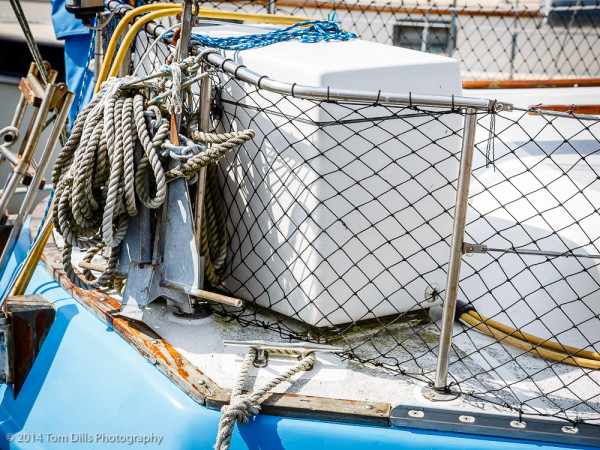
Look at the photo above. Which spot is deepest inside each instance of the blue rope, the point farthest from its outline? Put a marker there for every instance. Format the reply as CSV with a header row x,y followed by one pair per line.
x,y
86,74
306,32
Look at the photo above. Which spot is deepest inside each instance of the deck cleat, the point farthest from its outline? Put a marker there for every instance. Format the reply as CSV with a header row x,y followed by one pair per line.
x,y
296,349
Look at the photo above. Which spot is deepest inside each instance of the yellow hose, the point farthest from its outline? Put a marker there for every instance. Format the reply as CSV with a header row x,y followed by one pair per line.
x,y
533,344
123,24
534,339
210,13
126,41
32,261
111,69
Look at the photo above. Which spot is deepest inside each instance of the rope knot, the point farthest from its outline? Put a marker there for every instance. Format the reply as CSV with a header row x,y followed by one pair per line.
x,y
241,408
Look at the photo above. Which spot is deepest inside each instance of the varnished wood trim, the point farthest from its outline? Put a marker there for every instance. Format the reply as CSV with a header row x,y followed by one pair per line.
x,y
529,84
576,109
400,9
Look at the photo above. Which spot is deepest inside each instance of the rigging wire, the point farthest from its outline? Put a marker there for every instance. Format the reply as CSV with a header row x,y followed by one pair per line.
x,y
33,47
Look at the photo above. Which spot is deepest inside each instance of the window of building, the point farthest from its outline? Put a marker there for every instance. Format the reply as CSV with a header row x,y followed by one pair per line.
x,y
431,36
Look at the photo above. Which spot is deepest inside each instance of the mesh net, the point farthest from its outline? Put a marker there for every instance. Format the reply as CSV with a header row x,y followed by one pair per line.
x,y
339,216
492,41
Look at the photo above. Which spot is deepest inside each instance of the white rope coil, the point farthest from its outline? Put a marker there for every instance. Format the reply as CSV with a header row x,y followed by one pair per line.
x,y
96,177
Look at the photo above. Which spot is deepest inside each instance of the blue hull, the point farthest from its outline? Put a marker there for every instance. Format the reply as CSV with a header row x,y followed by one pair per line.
x,y
90,387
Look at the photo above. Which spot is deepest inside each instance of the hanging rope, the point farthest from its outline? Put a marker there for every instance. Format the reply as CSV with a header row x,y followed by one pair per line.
x,y
243,406
214,247
222,143
97,182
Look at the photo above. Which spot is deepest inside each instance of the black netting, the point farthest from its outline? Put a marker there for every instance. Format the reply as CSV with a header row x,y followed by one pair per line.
x,y
538,194
333,203
339,217
492,42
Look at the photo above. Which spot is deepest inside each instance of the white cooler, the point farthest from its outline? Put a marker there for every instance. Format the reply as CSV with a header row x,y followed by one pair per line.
x,y
338,223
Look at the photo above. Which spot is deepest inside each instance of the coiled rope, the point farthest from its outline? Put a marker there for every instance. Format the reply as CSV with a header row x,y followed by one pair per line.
x,y
97,181
242,406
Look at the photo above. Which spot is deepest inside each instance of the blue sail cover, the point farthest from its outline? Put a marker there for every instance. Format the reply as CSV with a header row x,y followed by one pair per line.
x,y
78,45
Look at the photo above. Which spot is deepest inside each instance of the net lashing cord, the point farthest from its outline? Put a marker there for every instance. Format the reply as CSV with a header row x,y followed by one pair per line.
x,y
306,32
242,406
96,179
525,341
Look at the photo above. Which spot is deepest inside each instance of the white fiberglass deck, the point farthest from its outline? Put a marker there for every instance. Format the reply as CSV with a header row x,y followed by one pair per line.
x,y
200,341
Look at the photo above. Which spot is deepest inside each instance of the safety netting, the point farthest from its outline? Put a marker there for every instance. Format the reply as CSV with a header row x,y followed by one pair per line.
x,y
492,40
339,216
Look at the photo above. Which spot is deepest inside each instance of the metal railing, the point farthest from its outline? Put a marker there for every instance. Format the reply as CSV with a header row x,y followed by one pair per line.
x,y
471,106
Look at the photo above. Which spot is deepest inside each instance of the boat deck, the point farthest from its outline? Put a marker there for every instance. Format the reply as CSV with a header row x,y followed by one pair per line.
x,y
200,343
504,375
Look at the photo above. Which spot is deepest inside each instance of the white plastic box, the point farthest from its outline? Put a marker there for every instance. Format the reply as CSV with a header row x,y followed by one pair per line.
x,y
328,223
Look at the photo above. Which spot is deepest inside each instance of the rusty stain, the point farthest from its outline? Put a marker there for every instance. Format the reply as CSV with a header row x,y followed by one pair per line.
x,y
177,358
34,98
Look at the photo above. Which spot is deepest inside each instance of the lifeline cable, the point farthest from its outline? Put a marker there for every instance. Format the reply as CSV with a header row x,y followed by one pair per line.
x,y
31,43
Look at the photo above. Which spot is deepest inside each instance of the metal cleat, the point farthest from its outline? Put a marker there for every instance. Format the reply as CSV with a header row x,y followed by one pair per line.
x,y
298,349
